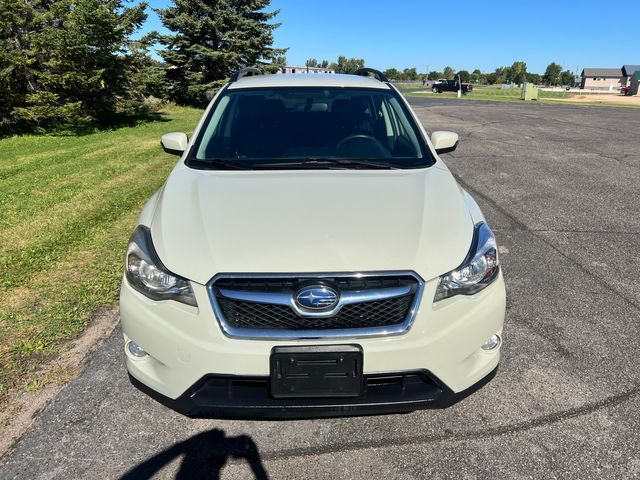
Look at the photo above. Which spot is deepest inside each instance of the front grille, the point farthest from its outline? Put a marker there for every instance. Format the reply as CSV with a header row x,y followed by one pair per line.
x,y
264,306
381,313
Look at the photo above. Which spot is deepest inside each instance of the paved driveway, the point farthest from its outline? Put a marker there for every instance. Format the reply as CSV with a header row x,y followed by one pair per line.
x,y
560,185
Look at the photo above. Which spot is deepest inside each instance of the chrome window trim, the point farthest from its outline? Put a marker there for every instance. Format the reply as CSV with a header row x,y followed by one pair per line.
x,y
285,299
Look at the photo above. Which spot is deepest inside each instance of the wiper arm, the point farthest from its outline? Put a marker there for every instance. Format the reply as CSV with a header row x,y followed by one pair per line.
x,y
363,163
320,161
218,162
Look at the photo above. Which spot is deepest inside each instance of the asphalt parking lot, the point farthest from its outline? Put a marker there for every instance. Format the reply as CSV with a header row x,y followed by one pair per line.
x,y
560,186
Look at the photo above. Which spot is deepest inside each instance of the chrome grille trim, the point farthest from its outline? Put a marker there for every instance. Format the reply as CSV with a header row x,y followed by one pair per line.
x,y
285,298
347,298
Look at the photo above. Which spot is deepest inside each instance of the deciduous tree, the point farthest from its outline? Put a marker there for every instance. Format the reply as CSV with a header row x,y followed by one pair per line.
x,y
552,74
501,75
491,78
392,74
567,78
478,77
518,72
448,73
410,74
347,65
465,76
533,78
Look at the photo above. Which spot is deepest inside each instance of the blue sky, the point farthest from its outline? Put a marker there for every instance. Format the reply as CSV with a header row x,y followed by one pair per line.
x,y
463,34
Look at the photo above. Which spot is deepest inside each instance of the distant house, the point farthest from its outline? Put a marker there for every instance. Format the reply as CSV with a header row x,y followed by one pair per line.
x,y
294,69
634,85
628,71
606,79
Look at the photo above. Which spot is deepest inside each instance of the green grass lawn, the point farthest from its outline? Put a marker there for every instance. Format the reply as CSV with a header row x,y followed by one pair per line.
x,y
67,207
495,93
513,95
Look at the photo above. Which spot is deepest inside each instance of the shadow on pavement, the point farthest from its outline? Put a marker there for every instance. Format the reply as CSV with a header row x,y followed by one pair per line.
x,y
204,456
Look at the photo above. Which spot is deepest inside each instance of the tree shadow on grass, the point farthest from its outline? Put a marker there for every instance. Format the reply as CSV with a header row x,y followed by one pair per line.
x,y
204,456
80,130
115,123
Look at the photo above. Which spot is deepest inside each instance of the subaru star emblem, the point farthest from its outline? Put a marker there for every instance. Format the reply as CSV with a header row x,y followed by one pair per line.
x,y
317,297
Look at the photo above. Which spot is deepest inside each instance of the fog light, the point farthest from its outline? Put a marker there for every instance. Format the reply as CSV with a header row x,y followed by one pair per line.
x,y
492,343
136,350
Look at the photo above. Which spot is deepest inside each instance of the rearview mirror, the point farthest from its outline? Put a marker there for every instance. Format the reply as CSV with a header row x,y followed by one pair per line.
x,y
444,142
174,143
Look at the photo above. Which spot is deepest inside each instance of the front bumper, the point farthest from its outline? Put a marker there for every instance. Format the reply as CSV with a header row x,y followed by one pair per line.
x,y
216,396
190,358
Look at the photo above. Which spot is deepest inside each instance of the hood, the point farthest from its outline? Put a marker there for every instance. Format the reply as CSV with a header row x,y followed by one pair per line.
x,y
209,222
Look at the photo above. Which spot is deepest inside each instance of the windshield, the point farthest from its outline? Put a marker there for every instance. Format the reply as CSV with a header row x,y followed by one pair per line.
x,y
309,128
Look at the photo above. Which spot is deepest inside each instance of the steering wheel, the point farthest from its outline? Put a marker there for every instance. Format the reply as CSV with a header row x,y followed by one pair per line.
x,y
361,145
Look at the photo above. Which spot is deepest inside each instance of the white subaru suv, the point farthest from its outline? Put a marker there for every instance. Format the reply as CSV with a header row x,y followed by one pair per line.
x,y
310,255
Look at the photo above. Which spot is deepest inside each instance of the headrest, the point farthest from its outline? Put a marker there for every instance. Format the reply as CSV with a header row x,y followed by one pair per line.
x,y
351,106
341,105
273,107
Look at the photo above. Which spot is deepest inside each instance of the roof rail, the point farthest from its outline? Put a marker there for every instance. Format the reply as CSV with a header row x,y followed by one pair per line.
x,y
244,72
371,72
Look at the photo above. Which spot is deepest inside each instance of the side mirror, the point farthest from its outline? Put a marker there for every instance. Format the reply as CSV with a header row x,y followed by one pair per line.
x,y
174,143
444,142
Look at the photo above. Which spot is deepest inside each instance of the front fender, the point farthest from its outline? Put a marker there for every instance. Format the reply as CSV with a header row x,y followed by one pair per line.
x,y
474,209
149,209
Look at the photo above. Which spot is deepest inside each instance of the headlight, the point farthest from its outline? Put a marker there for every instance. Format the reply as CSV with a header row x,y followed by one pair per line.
x,y
479,269
148,275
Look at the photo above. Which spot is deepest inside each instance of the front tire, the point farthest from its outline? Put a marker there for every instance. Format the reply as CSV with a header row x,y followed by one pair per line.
x,y
435,90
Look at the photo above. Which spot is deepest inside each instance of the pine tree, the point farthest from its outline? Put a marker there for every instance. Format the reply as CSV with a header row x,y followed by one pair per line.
x,y
211,39
144,73
76,62
16,18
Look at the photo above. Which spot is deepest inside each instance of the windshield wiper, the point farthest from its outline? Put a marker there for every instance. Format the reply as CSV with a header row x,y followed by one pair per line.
x,y
228,164
322,161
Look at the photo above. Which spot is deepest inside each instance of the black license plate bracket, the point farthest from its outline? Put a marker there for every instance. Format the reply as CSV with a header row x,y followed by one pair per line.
x,y
316,371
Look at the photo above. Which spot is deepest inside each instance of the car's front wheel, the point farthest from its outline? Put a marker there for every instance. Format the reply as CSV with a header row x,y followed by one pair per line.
x,y
435,90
